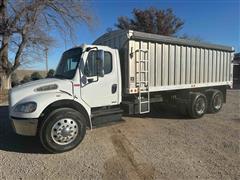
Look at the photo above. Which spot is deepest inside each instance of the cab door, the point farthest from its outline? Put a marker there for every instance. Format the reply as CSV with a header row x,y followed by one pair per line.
x,y
98,90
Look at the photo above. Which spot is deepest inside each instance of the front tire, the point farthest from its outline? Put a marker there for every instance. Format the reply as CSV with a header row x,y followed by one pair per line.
x,y
62,130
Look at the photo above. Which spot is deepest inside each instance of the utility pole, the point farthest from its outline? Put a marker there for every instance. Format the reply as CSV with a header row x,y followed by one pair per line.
x,y
46,58
65,42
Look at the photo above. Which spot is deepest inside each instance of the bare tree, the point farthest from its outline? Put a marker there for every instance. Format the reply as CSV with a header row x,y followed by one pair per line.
x,y
152,20
25,26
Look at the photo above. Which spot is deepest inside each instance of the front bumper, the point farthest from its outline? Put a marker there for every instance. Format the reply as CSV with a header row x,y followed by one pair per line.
x,y
26,127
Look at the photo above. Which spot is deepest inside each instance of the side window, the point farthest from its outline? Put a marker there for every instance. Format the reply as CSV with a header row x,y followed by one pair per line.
x,y
107,62
90,68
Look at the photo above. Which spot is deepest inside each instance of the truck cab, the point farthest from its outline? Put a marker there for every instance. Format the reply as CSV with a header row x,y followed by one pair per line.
x,y
86,86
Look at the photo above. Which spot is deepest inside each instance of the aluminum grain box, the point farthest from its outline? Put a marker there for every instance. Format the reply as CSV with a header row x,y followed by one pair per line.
x,y
173,63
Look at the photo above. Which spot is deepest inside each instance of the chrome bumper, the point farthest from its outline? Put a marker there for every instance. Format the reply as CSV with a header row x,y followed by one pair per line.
x,y
26,127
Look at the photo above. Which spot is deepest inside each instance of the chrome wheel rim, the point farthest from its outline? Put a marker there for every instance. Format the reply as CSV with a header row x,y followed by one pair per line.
x,y
217,102
64,131
200,106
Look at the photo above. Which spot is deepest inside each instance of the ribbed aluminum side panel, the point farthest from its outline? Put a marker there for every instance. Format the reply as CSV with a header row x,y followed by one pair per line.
x,y
206,61
210,66
197,68
178,65
173,66
165,65
227,66
188,63
201,65
183,64
159,64
193,65
214,66
152,47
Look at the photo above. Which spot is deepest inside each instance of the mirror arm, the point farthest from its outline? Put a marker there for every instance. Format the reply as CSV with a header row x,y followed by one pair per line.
x,y
90,48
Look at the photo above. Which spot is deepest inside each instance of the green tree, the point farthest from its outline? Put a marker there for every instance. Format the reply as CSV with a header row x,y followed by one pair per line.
x,y
14,80
152,20
36,76
193,38
26,79
50,73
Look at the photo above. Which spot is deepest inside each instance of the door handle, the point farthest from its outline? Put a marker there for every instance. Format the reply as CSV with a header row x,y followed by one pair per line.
x,y
114,88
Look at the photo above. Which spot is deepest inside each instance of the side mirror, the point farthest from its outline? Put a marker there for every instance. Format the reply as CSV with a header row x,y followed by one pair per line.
x,y
100,63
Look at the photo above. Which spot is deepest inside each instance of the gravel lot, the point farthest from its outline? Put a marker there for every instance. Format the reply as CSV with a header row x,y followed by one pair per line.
x,y
160,145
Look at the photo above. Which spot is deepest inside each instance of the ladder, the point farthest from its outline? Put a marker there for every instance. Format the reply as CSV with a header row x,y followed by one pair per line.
x,y
142,80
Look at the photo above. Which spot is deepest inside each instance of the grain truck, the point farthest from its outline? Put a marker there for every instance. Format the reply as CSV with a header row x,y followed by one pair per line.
x,y
121,72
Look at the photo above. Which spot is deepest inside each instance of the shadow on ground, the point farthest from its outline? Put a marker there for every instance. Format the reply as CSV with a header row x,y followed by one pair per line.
x,y
163,111
9,141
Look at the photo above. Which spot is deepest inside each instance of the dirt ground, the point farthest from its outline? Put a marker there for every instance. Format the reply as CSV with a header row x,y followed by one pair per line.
x,y
160,145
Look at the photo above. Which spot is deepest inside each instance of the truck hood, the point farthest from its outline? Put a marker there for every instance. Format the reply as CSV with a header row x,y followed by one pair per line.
x,y
40,86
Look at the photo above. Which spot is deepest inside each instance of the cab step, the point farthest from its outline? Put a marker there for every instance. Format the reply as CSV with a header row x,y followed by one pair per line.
x,y
103,116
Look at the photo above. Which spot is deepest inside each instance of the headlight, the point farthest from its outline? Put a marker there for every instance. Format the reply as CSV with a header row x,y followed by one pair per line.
x,y
27,107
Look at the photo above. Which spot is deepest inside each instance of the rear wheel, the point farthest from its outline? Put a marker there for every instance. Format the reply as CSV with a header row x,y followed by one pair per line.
x,y
62,130
198,105
215,101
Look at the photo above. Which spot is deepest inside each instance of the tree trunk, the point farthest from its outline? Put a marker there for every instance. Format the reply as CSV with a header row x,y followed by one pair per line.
x,y
5,82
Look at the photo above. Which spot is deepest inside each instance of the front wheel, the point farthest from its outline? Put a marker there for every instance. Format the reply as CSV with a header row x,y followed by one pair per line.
x,y
62,130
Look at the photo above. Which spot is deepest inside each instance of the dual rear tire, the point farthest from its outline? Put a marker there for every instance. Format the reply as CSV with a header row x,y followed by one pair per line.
x,y
200,103
215,101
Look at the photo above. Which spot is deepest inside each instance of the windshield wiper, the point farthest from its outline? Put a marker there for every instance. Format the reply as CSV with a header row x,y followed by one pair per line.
x,y
60,76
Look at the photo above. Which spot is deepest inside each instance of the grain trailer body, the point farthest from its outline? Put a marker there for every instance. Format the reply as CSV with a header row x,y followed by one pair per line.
x,y
173,63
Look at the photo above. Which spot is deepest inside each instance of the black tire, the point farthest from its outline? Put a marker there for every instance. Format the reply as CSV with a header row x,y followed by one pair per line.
x,y
46,130
215,101
182,108
197,105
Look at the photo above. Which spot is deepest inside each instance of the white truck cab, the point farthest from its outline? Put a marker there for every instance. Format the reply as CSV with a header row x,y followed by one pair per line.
x,y
60,108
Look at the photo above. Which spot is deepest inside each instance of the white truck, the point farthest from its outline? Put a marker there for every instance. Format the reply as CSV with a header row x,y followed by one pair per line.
x,y
123,71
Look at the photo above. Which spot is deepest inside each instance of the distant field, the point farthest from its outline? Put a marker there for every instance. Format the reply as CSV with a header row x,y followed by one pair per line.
x,y
21,73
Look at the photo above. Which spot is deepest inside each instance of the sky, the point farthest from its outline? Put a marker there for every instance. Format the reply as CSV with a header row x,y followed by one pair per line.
x,y
216,22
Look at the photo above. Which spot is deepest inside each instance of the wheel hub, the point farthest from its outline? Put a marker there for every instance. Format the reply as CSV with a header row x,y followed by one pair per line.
x,y
200,106
64,131
217,102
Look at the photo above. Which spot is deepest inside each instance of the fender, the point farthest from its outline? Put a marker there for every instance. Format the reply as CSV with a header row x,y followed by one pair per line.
x,y
49,100
42,100
67,103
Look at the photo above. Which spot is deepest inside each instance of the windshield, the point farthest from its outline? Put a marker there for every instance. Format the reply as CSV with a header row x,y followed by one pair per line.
x,y
68,64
